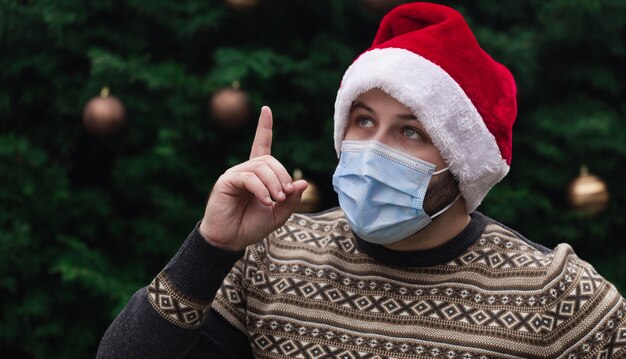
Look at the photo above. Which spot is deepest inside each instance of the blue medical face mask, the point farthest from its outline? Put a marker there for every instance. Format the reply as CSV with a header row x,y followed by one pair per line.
x,y
381,190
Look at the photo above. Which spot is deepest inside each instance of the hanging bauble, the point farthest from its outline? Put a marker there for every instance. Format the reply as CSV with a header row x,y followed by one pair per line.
x,y
588,193
230,107
242,5
381,6
103,115
310,197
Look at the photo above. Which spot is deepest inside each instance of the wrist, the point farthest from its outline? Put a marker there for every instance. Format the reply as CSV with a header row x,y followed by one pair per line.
x,y
198,268
204,232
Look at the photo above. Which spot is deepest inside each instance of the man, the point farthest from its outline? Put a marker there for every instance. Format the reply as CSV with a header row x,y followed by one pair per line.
x,y
406,268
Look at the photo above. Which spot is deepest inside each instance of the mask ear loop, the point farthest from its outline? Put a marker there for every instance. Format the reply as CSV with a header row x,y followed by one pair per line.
x,y
446,207
441,171
451,203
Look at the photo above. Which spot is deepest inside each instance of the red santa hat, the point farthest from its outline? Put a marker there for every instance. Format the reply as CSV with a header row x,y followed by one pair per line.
x,y
425,56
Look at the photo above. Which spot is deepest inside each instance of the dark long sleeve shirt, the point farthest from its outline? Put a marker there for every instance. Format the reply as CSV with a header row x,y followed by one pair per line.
x,y
139,331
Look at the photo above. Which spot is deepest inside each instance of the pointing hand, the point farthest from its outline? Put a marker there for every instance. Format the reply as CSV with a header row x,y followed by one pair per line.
x,y
251,199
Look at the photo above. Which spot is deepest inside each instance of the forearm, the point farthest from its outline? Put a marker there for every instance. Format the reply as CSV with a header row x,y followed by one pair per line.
x,y
164,319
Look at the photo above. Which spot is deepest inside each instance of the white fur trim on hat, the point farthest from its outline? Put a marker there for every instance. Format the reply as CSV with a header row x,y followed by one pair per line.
x,y
442,107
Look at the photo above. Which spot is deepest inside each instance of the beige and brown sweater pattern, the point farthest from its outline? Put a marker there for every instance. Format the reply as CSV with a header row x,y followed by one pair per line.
x,y
309,290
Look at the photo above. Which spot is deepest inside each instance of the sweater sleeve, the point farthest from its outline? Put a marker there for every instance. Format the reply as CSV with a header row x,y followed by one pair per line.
x,y
171,317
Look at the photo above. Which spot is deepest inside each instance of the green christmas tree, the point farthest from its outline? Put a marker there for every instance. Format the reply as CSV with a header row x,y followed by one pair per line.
x,y
87,220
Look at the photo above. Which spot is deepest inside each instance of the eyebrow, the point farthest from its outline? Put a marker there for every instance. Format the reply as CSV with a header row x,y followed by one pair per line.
x,y
359,104
407,117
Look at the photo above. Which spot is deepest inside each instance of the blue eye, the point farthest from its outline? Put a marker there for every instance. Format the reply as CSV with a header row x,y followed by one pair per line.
x,y
411,133
365,122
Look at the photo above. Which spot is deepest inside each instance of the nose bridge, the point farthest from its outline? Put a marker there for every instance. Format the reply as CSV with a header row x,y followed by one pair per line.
x,y
383,133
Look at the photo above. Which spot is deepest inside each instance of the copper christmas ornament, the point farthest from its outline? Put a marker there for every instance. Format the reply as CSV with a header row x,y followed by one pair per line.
x,y
230,107
242,5
103,115
588,193
310,197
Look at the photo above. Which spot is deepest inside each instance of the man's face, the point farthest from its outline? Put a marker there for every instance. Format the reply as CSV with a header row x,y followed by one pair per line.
x,y
379,117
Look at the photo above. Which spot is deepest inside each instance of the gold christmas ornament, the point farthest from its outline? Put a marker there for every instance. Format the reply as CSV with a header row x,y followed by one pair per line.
x,y
230,107
103,115
381,6
588,193
310,197
242,5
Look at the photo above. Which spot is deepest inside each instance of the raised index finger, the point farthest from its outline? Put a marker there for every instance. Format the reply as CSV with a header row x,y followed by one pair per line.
x,y
262,144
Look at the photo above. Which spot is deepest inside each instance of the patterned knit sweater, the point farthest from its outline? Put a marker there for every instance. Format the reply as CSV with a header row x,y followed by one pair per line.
x,y
313,290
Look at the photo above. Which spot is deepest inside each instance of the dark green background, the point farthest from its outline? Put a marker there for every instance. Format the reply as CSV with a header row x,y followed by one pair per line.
x,y
85,221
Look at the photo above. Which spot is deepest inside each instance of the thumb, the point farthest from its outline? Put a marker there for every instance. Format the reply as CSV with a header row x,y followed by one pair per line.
x,y
286,208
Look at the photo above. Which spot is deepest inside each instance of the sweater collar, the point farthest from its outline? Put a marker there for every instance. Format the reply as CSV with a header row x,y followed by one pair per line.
x,y
428,257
